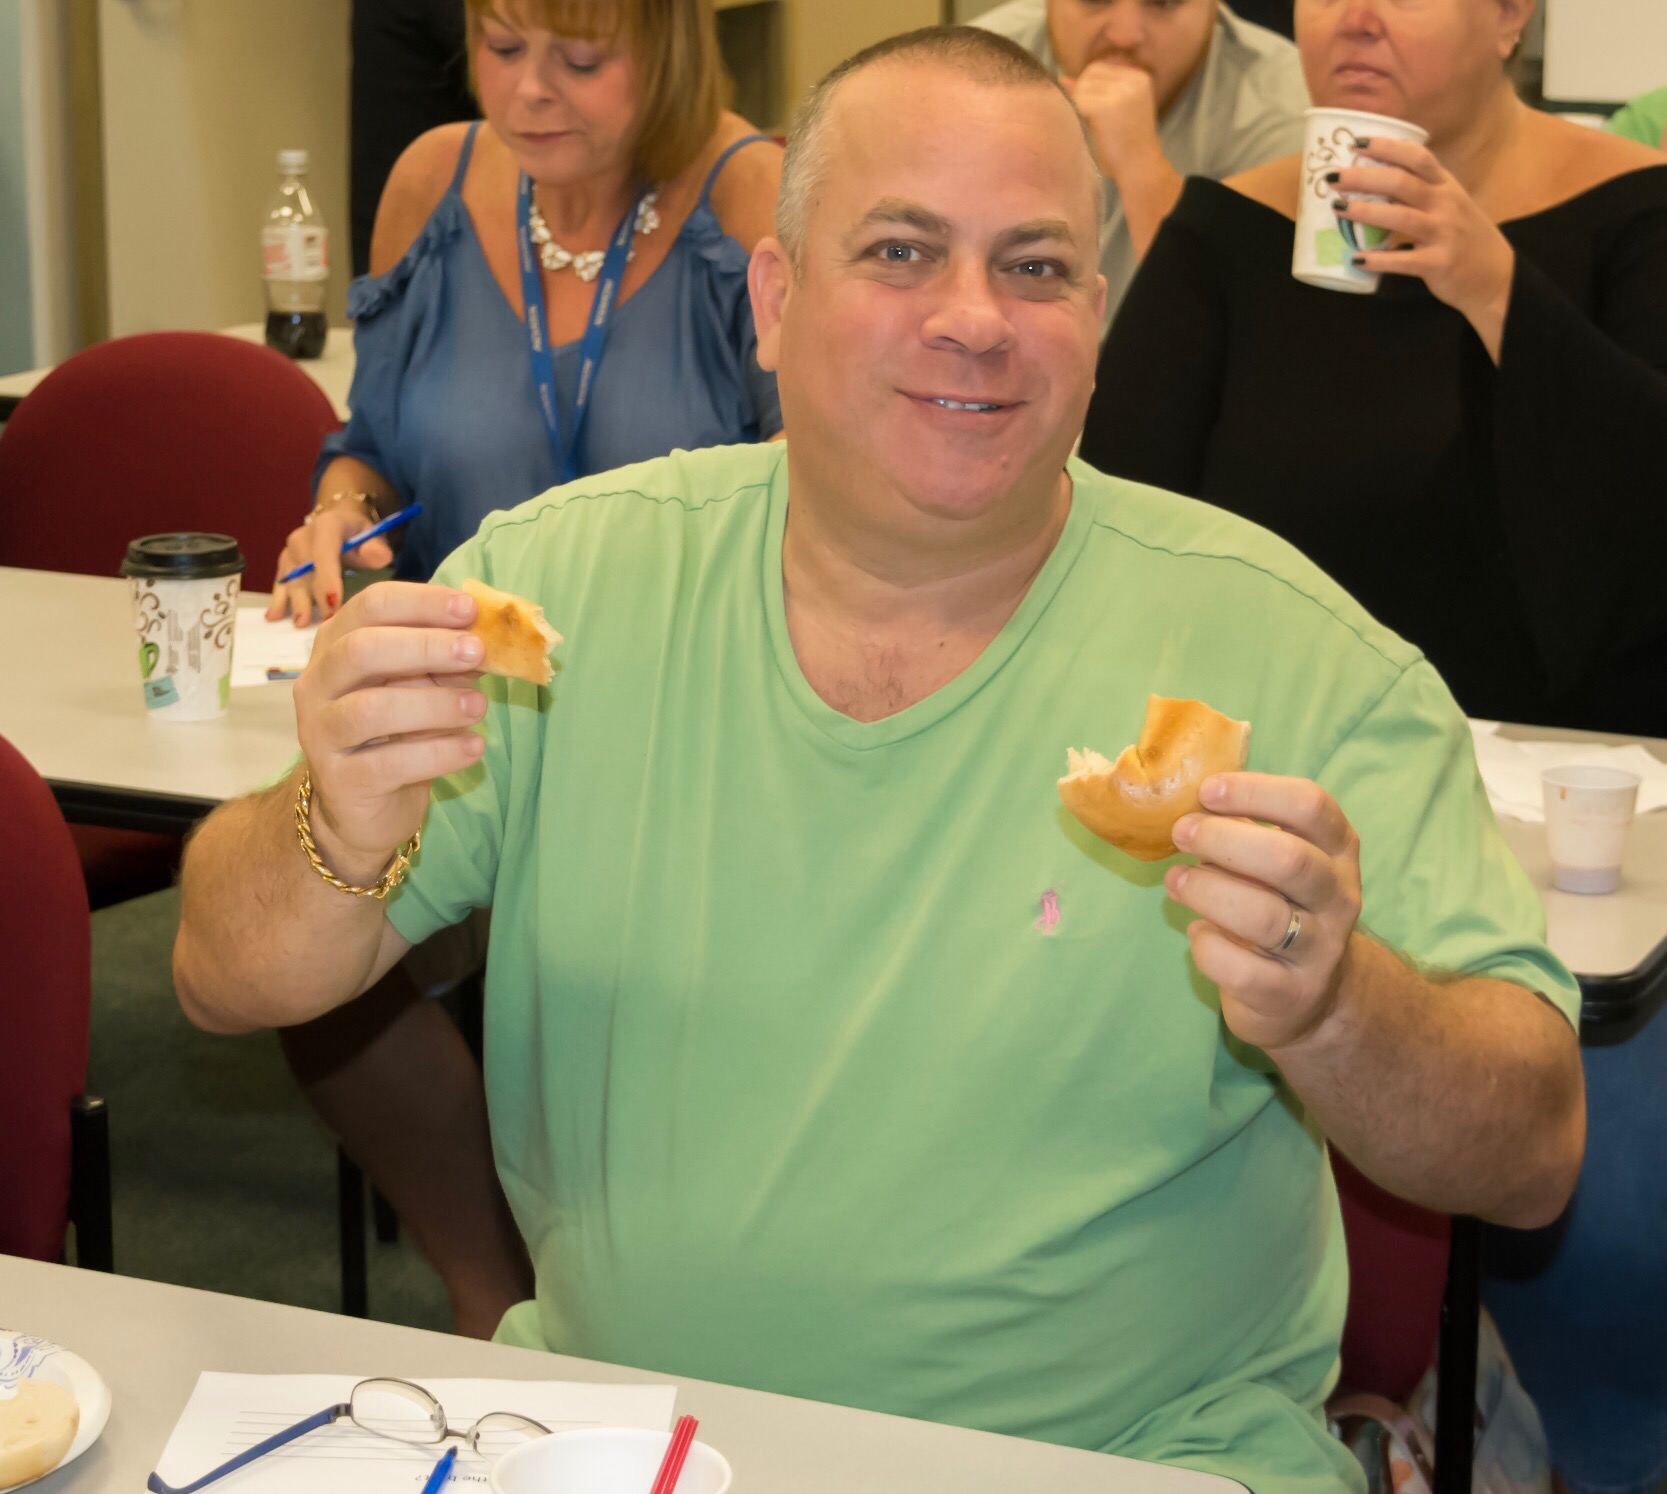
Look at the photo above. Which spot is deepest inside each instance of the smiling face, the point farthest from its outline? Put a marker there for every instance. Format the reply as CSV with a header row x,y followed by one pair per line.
x,y
935,345
1165,38
566,107
1428,61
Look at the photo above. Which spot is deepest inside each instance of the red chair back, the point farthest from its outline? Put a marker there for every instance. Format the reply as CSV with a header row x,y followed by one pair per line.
x,y
45,1005
160,431
1397,1273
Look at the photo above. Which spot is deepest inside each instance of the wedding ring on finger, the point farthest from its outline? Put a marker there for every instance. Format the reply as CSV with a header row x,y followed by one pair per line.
x,y
1292,930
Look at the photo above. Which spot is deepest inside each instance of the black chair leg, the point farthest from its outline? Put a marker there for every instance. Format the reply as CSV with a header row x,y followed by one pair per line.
x,y
350,1206
1461,1307
89,1188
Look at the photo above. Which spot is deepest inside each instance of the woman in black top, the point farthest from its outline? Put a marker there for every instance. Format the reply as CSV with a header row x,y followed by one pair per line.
x,y
1478,451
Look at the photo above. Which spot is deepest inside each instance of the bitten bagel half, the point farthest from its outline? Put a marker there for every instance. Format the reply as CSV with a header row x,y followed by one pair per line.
x,y
518,640
37,1426
1135,801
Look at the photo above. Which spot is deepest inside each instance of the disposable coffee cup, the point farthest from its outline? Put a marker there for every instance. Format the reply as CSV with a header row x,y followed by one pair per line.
x,y
1587,813
1326,244
185,590
604,1460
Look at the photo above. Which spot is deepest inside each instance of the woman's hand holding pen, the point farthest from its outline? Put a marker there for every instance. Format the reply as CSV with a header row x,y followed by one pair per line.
x,y
319,541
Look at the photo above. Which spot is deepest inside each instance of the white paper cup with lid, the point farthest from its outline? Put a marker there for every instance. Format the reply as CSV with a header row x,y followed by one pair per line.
x,y
185,590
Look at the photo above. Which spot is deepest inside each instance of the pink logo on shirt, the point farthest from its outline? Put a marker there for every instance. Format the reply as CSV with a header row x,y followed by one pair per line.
x,y
1048,919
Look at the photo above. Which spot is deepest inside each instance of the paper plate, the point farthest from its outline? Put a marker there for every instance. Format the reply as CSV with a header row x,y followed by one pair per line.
x,y
23,1356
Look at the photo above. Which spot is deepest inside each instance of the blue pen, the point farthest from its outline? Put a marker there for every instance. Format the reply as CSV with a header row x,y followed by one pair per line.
x,y
393,521
442,1471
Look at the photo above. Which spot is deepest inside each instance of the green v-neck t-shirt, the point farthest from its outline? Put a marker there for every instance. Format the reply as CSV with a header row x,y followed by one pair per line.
x,y
836,1059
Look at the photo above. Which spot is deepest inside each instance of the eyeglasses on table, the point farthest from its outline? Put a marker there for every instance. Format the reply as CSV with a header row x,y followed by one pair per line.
x,y
396,1410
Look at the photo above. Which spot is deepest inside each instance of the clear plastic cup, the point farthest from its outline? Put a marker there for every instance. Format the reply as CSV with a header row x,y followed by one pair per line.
x,y
1587,812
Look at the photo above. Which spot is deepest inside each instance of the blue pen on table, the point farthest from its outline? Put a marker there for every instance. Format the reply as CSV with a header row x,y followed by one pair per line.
x,y
393,521
442,1471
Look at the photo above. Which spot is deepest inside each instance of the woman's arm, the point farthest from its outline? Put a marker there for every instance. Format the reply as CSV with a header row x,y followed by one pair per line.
x,y
1580,454
1158,386
350,464
744,195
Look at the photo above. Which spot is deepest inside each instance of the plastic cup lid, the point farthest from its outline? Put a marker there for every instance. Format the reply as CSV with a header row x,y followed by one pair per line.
x,y
189,556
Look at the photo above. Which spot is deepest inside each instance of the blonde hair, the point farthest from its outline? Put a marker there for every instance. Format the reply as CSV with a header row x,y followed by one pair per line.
x,y
681,84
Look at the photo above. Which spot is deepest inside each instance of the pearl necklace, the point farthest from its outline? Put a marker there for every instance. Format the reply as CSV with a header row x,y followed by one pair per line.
x,y
587,265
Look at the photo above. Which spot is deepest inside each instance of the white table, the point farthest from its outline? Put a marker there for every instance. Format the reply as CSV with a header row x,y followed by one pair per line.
x,y
332,371
150,1341
70,703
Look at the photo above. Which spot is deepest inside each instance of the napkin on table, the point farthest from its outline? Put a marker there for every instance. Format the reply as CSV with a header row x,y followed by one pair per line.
x,y
1511,770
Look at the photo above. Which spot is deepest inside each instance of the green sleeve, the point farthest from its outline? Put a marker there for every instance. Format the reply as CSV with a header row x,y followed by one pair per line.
x,y
456,870
1440,885
1643,120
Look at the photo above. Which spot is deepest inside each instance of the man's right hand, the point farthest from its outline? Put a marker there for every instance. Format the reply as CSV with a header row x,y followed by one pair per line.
x,y
321,541
383,709
1122,114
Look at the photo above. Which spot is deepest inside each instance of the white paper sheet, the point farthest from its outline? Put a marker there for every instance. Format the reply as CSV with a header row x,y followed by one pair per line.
x,y
230,1413
259,645
1511,770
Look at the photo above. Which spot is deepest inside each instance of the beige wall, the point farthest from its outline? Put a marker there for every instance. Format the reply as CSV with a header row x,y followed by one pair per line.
x,y
819,33
198,98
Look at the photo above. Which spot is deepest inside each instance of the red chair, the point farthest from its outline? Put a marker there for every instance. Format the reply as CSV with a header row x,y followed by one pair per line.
x,y
1414,1294
54,1139
161,431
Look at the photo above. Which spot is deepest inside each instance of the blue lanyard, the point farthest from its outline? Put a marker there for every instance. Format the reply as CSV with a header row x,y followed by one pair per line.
x,y
596,328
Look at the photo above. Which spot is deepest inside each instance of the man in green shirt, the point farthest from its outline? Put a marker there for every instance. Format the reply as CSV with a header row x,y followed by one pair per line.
x,y
826,1053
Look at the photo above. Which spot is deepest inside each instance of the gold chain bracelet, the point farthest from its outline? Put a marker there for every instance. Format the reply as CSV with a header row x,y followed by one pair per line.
x,y
392,874
332,501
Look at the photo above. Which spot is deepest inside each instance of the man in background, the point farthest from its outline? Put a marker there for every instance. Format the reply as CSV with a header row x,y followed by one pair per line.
x,y
1190,89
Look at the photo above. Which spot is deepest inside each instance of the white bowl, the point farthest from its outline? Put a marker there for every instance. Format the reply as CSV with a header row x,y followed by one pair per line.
x,y
604,1460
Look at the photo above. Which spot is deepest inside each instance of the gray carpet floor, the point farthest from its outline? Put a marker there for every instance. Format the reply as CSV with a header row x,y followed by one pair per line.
x,y
221,1176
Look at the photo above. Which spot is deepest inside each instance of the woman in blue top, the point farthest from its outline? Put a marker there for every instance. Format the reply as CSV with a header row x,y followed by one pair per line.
x,y
608,159
446,396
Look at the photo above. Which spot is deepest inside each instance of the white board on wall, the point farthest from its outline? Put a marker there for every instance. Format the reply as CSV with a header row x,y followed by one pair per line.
x,y
1604,51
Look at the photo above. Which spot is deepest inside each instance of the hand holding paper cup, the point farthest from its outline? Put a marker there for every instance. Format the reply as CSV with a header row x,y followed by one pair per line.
x,y
1326,244
1587,812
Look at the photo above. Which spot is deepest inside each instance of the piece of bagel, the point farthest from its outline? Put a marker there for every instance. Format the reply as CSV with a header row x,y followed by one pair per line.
x,y
518,640
37,1425
1135,801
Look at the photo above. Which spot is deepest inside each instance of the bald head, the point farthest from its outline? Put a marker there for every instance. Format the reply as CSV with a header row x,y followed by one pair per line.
x,y
978,56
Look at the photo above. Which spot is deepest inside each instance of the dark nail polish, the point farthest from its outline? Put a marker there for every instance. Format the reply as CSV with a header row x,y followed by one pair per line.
x,y
1363,145
1340,205
1358,261
1333,176
1404,248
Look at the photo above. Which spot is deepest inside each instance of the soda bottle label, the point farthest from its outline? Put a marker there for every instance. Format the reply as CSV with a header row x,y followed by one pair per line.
x,y
294,253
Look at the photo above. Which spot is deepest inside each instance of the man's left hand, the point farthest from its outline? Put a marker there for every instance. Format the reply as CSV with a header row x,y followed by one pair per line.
x,y
1256,882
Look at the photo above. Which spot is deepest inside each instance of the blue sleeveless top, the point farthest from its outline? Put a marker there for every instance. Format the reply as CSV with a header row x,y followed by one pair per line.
x,y
443,401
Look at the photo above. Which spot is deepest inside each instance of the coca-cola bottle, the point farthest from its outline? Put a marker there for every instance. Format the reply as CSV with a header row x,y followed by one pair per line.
x,y
295,263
